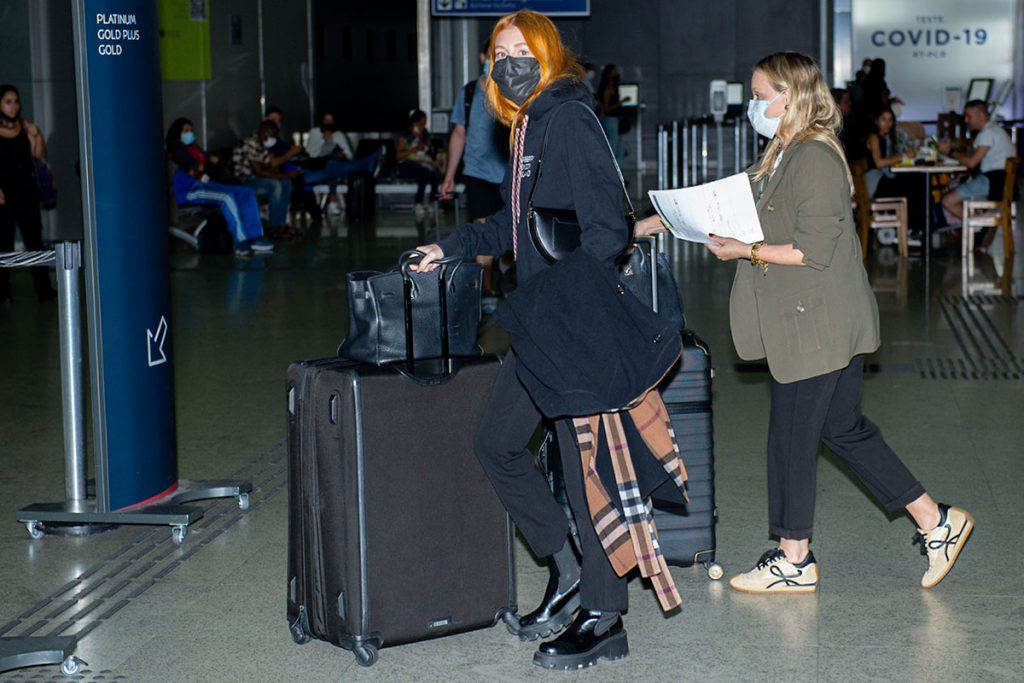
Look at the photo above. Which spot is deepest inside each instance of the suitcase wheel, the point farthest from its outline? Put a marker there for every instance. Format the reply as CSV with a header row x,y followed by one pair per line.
x,y
178,533
366,654
243,501
715,571
298,632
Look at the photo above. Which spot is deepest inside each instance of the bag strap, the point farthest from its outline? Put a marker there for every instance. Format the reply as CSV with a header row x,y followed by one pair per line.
x,y
467,106
544,142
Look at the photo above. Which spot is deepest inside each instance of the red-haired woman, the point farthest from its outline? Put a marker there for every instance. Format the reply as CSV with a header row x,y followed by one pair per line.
x,y
532,77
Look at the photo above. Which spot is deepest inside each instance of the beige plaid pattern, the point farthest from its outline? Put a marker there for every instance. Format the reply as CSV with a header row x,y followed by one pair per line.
x,y
631,541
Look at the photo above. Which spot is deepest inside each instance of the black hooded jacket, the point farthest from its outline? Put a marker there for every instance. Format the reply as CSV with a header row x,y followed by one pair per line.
x,y
579,175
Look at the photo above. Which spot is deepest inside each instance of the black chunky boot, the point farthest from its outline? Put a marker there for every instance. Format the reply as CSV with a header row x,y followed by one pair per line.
x,y
561,598
593,635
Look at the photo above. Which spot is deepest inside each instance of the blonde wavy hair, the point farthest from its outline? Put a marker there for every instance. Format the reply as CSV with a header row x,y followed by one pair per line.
x,y
811,114
556,62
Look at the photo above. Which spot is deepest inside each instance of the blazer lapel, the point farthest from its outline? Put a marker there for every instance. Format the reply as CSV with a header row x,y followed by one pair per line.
x,y
775,179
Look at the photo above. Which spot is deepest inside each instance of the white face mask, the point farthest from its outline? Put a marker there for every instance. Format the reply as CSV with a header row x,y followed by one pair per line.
x,y
269,142
761,123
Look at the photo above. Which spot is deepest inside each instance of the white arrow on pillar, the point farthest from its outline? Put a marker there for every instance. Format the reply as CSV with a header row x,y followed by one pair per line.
x,y
155,343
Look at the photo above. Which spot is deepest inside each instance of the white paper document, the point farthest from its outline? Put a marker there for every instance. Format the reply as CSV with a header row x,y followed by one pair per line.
x,y
724,207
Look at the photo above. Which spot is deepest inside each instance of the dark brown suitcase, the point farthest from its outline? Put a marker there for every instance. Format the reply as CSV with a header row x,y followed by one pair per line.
x,y
395,535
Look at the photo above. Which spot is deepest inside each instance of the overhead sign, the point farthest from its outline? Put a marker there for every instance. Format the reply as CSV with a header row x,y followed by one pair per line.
x,y
928,47
127,280
497,8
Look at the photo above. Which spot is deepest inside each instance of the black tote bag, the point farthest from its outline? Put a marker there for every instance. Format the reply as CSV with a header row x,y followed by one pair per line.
x,y
388,310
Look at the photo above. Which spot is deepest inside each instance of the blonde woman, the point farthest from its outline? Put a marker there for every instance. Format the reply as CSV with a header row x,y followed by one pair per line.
x,y
801,299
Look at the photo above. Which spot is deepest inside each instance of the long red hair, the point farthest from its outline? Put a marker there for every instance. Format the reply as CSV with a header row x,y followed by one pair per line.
x,y
544,41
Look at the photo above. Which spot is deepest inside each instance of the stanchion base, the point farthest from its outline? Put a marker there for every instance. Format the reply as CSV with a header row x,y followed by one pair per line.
x,y
75,530
18,653
41,519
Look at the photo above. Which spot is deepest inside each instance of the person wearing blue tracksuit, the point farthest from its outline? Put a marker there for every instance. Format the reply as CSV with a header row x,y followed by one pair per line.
x,y
192,186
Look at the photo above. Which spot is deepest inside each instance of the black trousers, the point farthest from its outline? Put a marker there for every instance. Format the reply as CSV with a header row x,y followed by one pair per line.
x,y
23,213
509,422
827,408
423,176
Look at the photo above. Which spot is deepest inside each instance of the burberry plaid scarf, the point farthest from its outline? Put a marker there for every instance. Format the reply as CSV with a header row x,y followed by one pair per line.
x,y
631,539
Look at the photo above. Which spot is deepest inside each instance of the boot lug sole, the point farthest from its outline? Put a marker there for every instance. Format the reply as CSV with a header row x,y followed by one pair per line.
x,y
615,648
556,623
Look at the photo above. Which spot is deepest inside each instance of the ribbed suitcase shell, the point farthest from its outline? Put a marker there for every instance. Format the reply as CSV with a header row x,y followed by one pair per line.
x,y
686,531
395,533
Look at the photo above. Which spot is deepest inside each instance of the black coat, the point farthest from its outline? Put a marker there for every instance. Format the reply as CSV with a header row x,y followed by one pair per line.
x,y
584,343
579,175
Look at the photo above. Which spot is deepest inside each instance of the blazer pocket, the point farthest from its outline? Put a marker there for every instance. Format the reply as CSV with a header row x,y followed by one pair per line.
x,y
806,322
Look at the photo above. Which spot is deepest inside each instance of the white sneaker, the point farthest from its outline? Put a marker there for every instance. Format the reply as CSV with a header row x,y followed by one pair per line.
x,y
333,209
942,545
773,573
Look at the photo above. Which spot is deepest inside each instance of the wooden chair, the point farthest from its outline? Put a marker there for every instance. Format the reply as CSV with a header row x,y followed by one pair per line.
x,y
886,212
984,213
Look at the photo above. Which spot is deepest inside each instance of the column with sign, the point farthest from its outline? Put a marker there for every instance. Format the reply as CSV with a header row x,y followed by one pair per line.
x,y
127,285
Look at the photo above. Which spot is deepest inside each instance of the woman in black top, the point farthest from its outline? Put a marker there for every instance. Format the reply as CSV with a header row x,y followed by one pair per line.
x,y
20,142
535,84
416,159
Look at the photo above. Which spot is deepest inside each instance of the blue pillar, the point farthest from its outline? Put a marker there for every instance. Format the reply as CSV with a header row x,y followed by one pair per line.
x,y
117,59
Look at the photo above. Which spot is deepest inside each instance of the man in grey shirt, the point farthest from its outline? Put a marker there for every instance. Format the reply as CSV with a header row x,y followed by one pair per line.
x,y
992,147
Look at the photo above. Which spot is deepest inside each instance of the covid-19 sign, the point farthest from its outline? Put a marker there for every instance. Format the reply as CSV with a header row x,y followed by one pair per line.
x,y
934,45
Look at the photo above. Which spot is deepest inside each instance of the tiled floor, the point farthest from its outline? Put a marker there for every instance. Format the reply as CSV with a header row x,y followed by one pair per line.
x,y
947,388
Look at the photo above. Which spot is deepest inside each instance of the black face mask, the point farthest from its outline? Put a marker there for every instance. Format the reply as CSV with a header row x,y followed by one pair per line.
x,y
516,77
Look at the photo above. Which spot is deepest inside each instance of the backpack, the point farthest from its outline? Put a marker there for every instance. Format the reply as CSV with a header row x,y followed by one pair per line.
x,y
469,90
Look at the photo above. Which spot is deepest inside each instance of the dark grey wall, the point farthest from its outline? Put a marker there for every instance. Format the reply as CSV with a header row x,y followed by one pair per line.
x,y
674,48
233,94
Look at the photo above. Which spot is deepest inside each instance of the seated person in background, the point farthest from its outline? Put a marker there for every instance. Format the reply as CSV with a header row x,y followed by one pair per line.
x,y
192,186
282,152
885,150
416,158
849,135
992,147
252,166
331,159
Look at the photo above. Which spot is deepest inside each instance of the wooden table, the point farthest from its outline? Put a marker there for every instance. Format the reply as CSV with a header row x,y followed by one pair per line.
x,y
928,170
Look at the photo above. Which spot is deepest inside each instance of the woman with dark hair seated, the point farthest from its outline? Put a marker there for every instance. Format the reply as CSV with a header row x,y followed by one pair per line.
x,y
885,151
192,186
416,158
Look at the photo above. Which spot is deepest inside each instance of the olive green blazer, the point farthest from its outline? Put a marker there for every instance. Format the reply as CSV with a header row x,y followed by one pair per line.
x,y
812,319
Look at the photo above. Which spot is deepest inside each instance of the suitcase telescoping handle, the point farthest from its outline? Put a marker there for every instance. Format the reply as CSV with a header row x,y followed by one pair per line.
x,y
405,261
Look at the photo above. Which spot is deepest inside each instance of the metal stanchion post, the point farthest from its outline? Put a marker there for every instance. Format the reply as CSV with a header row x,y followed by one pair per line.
x,y
661,157
704,151
720,153
743,144
694,177
736,167
685,147
69,264
674,145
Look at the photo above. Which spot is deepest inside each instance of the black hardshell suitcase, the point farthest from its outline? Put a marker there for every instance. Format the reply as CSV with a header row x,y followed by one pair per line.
x,y
395,533
686,530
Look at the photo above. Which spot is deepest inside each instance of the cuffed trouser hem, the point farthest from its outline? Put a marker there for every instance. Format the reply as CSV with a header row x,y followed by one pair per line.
x,y
915,492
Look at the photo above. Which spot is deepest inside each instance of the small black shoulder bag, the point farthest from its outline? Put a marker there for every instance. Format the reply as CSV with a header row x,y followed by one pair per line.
x,y
556,233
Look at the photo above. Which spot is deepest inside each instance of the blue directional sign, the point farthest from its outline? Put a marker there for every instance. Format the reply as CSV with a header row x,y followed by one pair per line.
x,y
492,8
126,264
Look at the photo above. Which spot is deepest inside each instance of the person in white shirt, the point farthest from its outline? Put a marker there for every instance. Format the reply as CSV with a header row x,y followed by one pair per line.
x,y
992,147
326,140
331,148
